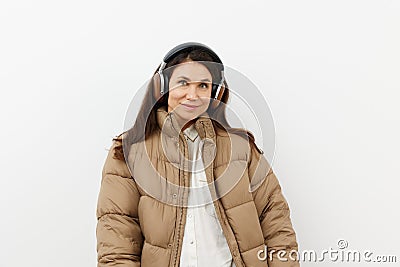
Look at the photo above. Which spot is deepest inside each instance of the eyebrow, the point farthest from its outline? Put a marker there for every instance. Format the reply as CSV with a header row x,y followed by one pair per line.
x,y
186,78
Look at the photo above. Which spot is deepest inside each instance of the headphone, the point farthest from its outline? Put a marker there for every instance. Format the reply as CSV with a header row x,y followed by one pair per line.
x,y
160,80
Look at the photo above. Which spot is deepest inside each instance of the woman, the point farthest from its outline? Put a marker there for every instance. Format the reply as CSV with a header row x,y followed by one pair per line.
x,y
175,186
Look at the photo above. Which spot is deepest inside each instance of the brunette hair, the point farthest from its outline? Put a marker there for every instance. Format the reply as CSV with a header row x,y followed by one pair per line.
x,y
147,118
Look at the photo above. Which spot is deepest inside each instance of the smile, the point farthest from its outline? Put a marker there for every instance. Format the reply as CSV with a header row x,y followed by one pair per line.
x,y
189,107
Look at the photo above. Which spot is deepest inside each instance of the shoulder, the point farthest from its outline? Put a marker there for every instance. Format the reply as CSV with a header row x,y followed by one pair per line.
x,y
235,143
115,162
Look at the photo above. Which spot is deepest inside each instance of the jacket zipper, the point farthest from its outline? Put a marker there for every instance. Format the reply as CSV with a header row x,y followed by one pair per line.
x,y
180,226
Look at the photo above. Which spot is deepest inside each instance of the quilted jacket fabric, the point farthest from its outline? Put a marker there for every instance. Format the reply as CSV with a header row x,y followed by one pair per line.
x,y
141,207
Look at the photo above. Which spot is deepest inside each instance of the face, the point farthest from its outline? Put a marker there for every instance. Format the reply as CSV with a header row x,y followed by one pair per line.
x,y
189,91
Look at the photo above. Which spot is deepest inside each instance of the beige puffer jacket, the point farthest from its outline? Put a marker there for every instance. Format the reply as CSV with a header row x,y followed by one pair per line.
x,y
141,205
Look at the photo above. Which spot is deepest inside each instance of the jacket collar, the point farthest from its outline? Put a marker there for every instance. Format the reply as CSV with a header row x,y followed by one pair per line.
x,y
169,125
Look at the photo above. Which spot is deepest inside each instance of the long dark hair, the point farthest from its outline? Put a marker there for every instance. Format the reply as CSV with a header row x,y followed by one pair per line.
x,y
147,117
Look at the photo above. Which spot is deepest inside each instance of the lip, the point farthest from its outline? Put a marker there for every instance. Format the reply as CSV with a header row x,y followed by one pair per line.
x,y
189,106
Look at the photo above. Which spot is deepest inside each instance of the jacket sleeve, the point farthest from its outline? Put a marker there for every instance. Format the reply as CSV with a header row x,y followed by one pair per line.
x,y
274,213
118,233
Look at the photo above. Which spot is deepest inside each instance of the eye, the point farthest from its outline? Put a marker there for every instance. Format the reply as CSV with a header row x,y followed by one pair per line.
x,y
204,85
182,82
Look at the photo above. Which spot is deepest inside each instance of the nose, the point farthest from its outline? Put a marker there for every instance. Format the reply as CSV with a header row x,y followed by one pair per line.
x,y
192,92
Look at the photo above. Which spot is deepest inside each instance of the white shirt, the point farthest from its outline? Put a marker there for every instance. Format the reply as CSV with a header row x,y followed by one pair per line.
x,y
204,243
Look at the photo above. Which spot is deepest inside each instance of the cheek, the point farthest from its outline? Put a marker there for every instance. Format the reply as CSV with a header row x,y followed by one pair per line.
x,y
173,97
205,96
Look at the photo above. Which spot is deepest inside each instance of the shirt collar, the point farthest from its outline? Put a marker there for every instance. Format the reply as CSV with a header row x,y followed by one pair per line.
x,y
191,132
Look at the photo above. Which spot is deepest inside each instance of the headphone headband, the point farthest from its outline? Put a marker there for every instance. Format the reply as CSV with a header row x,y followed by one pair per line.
x,y
192,46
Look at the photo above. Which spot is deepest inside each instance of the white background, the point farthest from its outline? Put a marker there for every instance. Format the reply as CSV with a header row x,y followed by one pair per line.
x,y
328,69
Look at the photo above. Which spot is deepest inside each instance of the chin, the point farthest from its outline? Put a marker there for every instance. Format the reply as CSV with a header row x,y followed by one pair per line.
x,y
189,115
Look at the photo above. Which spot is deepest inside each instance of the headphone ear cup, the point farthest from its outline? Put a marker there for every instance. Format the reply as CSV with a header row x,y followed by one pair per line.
x,y
166,83
213,90
215,102
156,86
